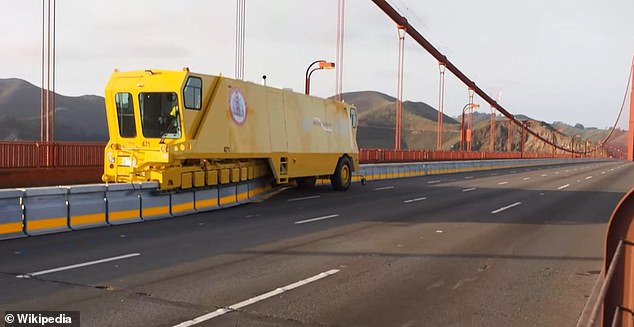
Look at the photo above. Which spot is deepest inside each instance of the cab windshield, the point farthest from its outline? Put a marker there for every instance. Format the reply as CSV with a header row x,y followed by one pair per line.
x,y
159,115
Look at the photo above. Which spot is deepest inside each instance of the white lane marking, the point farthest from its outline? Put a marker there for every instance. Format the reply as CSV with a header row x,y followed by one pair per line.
x,y
602,172
384,188
502,183
513,172
415,200
304,198
588,177
468,177
526,178
315,219
556,173
563,187
256,299
493,174
434,181
507,207
544,175
469,189
78,265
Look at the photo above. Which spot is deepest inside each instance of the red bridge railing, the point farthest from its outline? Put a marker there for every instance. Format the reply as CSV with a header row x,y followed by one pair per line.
x,y
50,155
388,155
83,154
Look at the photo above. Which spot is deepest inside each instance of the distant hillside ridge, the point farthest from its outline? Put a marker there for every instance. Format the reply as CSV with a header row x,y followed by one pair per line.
x,y
80,118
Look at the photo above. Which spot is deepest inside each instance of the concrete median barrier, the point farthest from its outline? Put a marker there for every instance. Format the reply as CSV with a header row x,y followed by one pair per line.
x,y
46,210
123,204
11,224
87,206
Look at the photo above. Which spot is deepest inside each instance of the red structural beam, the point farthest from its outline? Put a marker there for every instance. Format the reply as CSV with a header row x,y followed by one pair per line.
x,y
411,30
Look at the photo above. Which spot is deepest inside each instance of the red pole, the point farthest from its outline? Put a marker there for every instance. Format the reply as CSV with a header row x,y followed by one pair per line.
x,y
462,133
441,100
399,88
492,131
630,132
510,137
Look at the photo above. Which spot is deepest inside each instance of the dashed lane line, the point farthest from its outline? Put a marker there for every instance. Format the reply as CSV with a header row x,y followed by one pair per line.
x,y
384,188
563,187
315,219
256,299
304,198
78,265
506,207
469,189
415,200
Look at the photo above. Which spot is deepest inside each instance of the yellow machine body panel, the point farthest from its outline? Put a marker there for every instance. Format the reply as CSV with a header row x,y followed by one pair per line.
x,y
168,125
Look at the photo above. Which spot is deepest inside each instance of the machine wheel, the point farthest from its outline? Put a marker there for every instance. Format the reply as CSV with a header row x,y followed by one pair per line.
x,y
306,183
342,177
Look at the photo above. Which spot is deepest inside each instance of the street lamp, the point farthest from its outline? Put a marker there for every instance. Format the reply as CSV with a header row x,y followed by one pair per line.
x,y
322,65
462,136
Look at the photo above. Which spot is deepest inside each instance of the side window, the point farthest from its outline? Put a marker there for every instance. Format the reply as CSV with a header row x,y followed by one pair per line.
x,y
125,114
192,93
353,117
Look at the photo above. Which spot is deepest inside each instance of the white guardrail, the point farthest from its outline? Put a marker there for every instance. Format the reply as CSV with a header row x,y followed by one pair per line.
x,y
43,210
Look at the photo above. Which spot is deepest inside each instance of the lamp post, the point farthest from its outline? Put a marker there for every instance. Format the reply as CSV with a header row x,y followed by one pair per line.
x,y
462,136
323,64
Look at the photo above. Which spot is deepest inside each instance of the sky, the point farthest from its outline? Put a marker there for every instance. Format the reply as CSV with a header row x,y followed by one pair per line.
x,y
553,60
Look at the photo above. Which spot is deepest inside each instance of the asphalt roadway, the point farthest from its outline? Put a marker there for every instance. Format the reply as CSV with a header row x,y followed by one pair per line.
x,y
512,247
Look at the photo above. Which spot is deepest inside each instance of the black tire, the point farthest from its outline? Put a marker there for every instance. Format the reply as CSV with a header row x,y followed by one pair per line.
x,y
342,178
306,183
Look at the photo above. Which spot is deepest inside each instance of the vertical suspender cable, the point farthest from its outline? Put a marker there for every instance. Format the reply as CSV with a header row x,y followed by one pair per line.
x,y
42,67
339,55
54,68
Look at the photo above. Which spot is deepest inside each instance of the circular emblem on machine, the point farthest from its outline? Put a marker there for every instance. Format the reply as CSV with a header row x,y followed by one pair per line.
x,y
237,106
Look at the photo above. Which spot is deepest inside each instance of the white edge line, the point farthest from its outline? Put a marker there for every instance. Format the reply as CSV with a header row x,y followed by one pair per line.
x,y
415,200
469,189
434,181
507,207
315,219
304,198
563,187
256,299
384,188
79,265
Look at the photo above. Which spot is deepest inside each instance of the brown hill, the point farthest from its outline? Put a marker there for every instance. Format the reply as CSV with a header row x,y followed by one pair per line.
x,y
77,118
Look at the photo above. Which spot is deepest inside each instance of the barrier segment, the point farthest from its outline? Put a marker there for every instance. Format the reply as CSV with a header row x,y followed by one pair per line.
x,y
46,210
123,203
87,206
242,193
206,199
227,196
182,203
154,204
11,225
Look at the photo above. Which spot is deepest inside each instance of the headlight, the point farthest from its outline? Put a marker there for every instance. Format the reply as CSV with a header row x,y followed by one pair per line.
x,y
110,157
